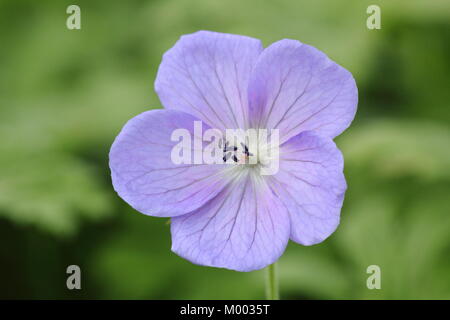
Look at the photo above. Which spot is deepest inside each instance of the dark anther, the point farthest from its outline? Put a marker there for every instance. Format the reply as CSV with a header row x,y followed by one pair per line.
x,y
231,151
246,152
226,156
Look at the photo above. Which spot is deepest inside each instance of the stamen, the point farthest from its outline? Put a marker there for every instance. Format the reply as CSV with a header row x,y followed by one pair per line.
x,y
232,152
226,157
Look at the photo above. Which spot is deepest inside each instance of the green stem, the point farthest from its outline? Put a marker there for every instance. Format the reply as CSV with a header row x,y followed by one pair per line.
x,y
272,282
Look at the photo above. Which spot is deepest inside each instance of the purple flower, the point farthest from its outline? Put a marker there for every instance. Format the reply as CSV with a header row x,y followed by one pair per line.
x,y
239,219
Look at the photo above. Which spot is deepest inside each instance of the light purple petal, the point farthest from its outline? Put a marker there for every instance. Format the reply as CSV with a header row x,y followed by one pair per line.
x,y
144,175
244,228
295,87
311,184
206,74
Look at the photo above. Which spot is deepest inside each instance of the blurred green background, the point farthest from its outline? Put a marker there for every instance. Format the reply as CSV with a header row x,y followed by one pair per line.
x,y
65,94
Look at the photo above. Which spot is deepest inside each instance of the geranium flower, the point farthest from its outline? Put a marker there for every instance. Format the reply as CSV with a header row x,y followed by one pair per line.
x,y
239,219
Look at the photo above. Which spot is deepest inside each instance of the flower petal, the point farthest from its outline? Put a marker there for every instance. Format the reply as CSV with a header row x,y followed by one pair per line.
x,y
206,74
311,184
295,87
244,228
145,176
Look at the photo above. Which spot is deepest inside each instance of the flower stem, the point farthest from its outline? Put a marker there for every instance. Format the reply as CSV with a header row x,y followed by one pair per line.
x,y
272,282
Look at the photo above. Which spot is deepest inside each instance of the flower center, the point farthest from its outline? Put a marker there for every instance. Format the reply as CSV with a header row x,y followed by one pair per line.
x,y
250,150
238,154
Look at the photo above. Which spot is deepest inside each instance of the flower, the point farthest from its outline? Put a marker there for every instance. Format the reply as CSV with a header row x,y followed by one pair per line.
x,y
234,217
